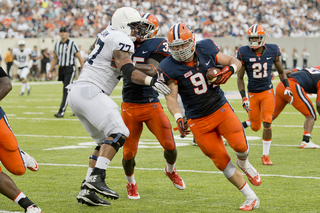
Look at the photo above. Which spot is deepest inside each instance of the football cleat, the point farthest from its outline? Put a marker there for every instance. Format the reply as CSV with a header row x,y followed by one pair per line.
x,y
21,93
58,115
175,178
33,209
88,197
98,185
252,174
266,160
28,92
194,143
309,145
250,204
32,164
132,191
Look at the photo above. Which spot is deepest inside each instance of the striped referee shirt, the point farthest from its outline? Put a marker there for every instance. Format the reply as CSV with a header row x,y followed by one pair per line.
x,y
66,52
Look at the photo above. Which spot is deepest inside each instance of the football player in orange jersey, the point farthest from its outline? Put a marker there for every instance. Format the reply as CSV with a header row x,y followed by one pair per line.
x,y
14,159
208,112
141,105
257,59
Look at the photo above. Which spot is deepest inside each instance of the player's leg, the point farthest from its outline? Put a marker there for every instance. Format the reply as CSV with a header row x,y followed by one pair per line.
x,y
280,101
211,144
87,100
267,106
304,105
255,113
160,126
24,80
130,114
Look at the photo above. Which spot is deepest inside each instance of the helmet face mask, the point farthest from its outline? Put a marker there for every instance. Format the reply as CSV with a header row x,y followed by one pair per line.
x,y
21,44
149,25
181,42
256,36
125,19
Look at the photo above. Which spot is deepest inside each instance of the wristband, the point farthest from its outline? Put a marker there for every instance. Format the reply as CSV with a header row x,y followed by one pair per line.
x,y
285,82
243,93
147,80
177,116
235,68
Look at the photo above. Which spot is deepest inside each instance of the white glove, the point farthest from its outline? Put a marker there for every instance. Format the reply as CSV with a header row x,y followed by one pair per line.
x,y
288,92
17,63
246,104
160,87
157,85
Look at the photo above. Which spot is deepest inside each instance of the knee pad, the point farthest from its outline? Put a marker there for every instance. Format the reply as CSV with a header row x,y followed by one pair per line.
x,y
114,143
229,170
93,157
255,127
243,154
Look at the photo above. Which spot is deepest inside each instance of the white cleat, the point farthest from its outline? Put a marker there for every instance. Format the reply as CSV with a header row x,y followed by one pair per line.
x,y
252,174
33,209
31,162
250,204
310,145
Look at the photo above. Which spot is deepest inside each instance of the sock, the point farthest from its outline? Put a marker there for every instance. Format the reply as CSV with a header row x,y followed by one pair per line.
x,y
266,146
131,179
28,86
246,123
102,163
243,163
89,171
170,167
23,201
306,136
247,191
23,87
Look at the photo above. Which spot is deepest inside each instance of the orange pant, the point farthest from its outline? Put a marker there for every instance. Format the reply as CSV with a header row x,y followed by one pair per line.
x,y
152,114
301,100
10,155
262,107
208,130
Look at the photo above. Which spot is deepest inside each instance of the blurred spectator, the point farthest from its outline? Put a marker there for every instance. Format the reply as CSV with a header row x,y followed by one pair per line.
x,y
305,55
9,60
213,17
44,61
284,58
295,57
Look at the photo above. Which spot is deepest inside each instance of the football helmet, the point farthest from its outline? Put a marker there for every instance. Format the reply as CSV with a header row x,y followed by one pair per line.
x,y
181,34
150,26
125,20
21,44
256,31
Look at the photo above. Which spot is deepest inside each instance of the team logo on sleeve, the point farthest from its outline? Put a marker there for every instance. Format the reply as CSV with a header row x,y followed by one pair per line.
x,y
252,59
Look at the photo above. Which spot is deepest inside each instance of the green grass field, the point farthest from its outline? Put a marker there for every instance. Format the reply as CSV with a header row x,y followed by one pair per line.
x,y
62,148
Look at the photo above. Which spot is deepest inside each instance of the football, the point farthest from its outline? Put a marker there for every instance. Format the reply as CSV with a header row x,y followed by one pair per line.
x,y
211,72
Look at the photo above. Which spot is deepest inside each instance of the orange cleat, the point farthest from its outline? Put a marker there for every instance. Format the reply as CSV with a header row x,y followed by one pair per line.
x,y
266,160
250,204
132,191
175,178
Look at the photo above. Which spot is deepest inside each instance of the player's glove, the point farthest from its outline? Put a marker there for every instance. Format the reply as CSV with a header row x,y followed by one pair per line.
x,y
160,86
183,127
246,104
225,74
288,92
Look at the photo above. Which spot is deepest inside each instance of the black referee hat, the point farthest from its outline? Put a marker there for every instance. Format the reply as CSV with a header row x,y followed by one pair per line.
x,y
63,29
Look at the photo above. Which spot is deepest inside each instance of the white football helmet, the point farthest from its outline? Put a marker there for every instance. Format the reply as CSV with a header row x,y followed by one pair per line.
x,y
21,44
123,18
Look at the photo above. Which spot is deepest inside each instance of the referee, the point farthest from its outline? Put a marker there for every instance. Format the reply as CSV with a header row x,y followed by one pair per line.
x,y
65,52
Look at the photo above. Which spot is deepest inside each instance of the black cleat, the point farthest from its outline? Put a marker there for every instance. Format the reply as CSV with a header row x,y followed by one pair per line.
x,y
194,143
21,93
98,185
88,197
58,115
28,93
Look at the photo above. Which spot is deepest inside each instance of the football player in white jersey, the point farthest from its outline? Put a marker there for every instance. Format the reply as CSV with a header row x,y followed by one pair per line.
x,y
21,57
99,114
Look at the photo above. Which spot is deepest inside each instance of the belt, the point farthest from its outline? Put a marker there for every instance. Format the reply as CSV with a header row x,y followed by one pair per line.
x,y
66,66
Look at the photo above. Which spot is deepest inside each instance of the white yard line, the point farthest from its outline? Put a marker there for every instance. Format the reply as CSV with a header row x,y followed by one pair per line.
x,y
190,171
